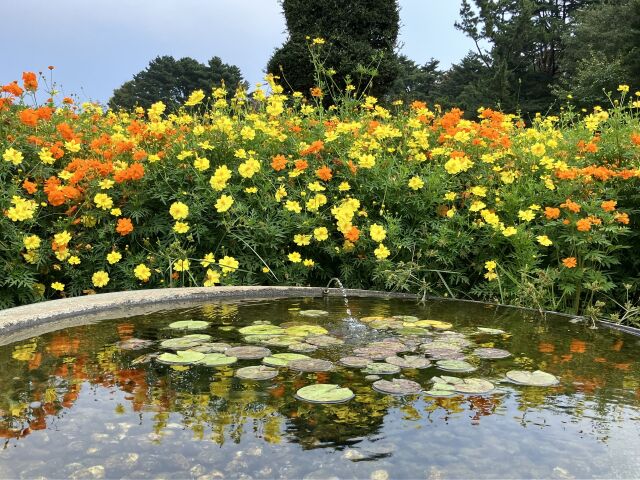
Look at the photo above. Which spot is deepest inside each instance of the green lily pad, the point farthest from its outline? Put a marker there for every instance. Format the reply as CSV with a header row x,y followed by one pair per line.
x,y
259,372
375,368
324,393
435,324
310,365
181,357
440,389
455,366
302,347
282,359
313,313
323,340
535,379
261,330
306,330
491,331
406,318
227,328
186,342
134,344
216,347
282,341
248,353
355,362
409,361
413,331
397,386
491,353
473,386
258,338
217,360
386,323
189,325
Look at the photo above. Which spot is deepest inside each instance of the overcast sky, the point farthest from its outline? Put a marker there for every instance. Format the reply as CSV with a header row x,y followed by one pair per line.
x,y
96,45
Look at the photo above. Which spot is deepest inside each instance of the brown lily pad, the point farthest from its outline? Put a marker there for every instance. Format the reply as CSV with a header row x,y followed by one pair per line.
x,y
248,353
491,353
310,365
409,361
259,372
397,386
355,362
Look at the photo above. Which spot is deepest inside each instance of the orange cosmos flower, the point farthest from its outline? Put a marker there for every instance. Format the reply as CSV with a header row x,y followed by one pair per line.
x,y
551,213
316,92
30,81
28,117
583,225
279,162
324,173
570,262
66,131
315,147
13,88
571,205
301,164
609,205
622,218
124,226
30,187
353,234
635,138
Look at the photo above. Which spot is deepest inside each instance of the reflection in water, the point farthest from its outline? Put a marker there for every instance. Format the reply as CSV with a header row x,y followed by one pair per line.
x,y
72,401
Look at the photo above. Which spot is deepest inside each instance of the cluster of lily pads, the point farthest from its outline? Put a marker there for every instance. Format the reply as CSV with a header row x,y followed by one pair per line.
x,y
419,344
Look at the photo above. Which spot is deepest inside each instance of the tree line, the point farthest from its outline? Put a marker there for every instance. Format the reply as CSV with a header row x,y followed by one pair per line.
x,y
529,56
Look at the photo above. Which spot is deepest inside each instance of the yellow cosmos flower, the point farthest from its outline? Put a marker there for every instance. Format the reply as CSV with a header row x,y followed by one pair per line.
x,y
509,231
62,238
224,203
181,227
476,206
179,211
74,260
321,234
308,263
22,209
212,277
116,212
294,257
302,240
103,201
72,146
181,265
201,164
114,257
526,215
228,264
57,286
293,206
344,187
100,278
142,272
377,233
46,156
31,242
490,265
381,252
207,260
415,183
12,155
106,184
450,196
195,98
538,149
544,240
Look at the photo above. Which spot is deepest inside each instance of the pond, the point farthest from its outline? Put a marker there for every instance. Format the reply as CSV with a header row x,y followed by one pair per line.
x,y
116,399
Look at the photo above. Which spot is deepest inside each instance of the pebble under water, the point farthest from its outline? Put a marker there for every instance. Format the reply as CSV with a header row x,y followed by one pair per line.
x,y
432,390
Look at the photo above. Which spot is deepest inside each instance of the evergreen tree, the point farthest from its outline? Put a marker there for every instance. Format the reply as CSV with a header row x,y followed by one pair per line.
x,y
361,39
172,81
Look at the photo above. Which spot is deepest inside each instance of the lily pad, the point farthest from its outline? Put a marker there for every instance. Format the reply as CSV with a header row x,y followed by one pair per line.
x,y
142,359
258,338
355,362
186,342
535,379
216,347
282,341
491,353
248,353
386,323
455,366
134,344
409,361
397,386
406,318
440,389
375,353
189,325
394,345
181,357
261,330
375,368
313,313
306,330
473,386
310,365
324,393
259,372
371,318
413,331
282,359
436,324
323,340
302,347
217,360
491,331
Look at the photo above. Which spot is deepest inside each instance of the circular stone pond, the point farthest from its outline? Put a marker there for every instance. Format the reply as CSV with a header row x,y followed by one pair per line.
x,y
295,388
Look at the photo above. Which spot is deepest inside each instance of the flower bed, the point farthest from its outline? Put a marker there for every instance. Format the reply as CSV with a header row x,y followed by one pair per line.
x,y
279,190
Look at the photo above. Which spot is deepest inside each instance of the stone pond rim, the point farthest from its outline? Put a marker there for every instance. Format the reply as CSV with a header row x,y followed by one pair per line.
x,y
19,323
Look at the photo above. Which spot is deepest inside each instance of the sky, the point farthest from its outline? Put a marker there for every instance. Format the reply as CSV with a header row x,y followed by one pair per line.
x,y
96,45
